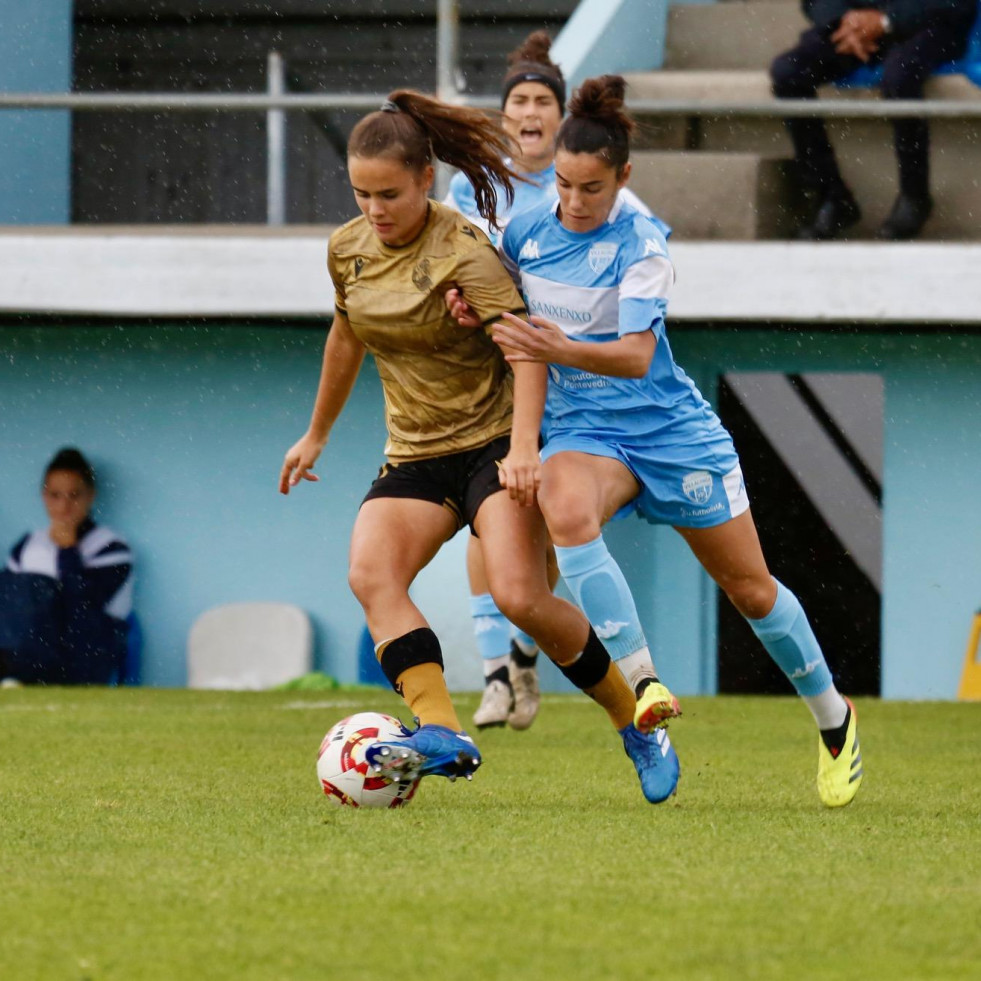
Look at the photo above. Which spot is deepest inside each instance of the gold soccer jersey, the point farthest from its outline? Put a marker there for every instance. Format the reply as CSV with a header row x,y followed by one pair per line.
x,y
447,387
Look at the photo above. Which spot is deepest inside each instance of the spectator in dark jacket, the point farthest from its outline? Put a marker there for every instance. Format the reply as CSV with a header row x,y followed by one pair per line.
x,y
66,591
910,38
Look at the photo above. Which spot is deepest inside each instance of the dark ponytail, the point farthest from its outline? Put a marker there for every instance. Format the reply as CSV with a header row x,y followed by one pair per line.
x,y
71,460
597,122
414,129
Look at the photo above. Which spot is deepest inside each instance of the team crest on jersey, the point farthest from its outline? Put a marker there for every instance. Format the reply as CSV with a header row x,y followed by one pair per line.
x,y
697,486
421,278
529,250
601,255
554,372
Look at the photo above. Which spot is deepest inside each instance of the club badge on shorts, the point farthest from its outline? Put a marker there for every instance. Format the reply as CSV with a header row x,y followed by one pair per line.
x,y
698,486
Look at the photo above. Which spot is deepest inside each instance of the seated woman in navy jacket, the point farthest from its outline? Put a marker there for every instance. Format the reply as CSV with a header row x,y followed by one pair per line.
x,y
66,591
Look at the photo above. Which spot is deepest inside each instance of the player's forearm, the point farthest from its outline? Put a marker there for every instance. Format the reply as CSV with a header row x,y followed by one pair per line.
x,y
343,354
530,385
628,357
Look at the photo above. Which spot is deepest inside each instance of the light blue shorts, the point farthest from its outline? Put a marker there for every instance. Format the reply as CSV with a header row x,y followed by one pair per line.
x,y
684,486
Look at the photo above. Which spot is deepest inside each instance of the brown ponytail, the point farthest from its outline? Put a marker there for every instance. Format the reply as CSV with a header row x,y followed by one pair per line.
x,y
597,121
413,128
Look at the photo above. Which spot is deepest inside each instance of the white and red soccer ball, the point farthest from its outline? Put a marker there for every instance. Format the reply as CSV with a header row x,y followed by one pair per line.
x,y
344,773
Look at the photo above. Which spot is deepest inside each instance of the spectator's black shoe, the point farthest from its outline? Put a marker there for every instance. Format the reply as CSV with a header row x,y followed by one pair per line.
x,y
836,212
907,218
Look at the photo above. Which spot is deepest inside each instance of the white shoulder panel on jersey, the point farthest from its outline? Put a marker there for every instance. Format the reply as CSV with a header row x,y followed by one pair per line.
x,y
650,278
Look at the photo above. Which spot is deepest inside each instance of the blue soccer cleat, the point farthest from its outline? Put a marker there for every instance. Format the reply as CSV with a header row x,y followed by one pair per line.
x,y
431,750
655,759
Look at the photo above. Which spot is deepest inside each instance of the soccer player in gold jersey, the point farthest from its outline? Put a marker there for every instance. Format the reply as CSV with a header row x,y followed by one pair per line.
x,y
461,427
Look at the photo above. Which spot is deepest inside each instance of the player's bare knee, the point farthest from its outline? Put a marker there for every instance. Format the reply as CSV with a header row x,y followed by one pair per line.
x,y
365,581
752,597
569,523
517,602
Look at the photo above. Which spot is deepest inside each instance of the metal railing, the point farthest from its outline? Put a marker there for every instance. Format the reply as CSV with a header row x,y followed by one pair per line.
x,y
277,101
308,101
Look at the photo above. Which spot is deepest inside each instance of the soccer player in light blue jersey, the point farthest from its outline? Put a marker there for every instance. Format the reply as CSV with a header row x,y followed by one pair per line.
x,y
533,102
627,431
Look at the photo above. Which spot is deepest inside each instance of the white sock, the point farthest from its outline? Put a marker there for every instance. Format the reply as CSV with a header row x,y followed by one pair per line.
x,y
637,666
829,708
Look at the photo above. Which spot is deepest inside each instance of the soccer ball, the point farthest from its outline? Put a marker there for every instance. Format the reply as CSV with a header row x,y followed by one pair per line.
x,y
344,772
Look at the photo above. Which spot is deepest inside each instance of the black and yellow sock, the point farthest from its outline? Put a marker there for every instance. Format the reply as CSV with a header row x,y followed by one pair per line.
x,y
594,672
413,664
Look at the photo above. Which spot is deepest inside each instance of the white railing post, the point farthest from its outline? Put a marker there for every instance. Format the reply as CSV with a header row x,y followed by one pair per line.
x,y
275,143
447,72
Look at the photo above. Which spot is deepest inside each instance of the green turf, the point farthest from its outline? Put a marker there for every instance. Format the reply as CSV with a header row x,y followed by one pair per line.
x,y
181,835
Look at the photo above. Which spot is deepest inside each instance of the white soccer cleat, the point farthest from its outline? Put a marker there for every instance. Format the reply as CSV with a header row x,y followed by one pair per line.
x,y
495,706
527,698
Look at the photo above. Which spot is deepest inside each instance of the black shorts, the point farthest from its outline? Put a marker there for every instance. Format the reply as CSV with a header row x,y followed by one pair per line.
x,y
459,482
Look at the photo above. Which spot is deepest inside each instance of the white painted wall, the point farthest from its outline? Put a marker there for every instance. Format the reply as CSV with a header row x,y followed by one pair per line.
x,y
142,272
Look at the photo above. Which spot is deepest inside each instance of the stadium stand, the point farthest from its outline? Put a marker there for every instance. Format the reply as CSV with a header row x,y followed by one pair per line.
x,y
717,177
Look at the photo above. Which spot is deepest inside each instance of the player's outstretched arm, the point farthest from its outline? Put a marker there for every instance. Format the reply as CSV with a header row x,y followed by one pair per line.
x,y
343,354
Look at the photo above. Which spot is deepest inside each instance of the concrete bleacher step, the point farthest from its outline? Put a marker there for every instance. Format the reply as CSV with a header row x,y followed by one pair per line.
x,y
706,195
734,34
721,52
864,146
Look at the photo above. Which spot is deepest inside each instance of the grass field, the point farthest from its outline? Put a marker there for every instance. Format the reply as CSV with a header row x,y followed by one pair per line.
x,y
149,834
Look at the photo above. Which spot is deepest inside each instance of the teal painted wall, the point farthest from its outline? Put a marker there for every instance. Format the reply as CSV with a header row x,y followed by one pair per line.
x,y
187,426
35,146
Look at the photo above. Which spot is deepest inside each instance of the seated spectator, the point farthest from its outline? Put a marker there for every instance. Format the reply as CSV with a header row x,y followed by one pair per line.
x,y
911,39
66,591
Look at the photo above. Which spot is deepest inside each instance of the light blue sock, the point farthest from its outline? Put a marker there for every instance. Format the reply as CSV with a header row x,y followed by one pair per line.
x,y
600,589
490,627
786,634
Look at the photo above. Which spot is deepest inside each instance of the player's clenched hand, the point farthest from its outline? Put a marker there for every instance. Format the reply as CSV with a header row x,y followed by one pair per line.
x,y
299,462
536,339
460,310
521,474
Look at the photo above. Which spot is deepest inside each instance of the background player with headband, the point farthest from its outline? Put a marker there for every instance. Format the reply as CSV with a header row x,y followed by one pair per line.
x,y
627,430
533,98
460,427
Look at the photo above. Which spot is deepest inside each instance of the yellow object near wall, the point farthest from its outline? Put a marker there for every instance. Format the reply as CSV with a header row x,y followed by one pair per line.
x,y
969,689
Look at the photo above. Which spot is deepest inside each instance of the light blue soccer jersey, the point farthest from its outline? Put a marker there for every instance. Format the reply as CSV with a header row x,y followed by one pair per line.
x,y
598,286
540,191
